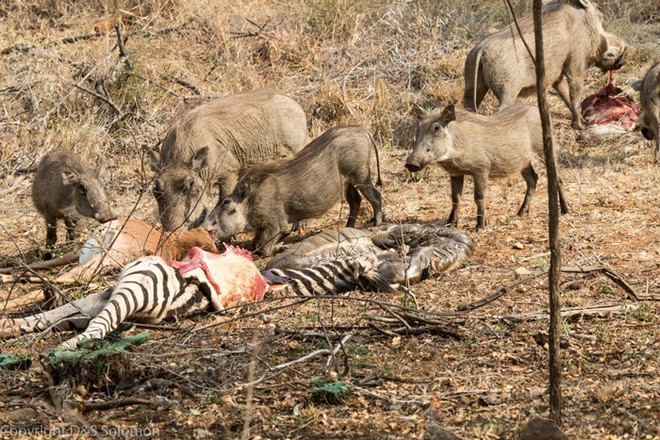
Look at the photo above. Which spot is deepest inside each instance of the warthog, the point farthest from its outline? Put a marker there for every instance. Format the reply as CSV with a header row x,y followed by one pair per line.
x,y
216,143
481,146
304,187
573,39
65,187
649,118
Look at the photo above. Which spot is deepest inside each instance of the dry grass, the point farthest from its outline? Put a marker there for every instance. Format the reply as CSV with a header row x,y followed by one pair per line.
x,y
347,62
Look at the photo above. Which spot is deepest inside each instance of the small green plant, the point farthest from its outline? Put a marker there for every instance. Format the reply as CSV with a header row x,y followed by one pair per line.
x,y
604,289
332,393
505,324
642,313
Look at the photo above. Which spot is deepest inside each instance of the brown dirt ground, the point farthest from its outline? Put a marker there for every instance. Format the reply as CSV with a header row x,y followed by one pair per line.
x,y
486,385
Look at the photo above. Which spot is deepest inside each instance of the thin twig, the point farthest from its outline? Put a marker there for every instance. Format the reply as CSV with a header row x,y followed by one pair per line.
x,y
105,99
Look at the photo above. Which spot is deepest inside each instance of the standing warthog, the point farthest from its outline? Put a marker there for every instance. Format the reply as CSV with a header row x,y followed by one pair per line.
x,y
216,143
66,187
304,187
481,146
573,38
649,118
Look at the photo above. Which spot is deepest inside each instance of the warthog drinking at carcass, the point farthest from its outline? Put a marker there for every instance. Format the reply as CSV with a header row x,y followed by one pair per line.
x,y
573,39
304,187
65,187
216,143
649,119
481,146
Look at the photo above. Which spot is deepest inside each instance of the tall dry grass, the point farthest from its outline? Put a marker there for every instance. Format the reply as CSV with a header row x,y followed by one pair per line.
x,y
347,62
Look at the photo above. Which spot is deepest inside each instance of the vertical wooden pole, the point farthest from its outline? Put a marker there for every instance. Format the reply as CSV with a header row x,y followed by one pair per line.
x,y
553,222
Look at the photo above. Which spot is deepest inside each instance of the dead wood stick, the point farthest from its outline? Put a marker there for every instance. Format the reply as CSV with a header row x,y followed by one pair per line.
x,y
440,330
101,406
11,188
575,311
501,292
608,273
32,297
339,346
568,269
76,38
182,82
105,99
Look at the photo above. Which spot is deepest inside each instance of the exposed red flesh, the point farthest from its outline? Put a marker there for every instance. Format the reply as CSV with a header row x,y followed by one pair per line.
x,y
610,106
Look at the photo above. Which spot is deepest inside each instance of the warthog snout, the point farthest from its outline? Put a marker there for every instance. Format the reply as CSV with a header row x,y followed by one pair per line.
x,y
106,216
648,134
413,167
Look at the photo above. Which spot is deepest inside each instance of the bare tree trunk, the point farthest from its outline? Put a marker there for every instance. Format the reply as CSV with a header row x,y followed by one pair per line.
x,y
553,222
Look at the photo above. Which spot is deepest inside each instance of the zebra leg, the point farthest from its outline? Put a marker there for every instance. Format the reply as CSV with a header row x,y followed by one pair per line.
x,y
61,317
146,289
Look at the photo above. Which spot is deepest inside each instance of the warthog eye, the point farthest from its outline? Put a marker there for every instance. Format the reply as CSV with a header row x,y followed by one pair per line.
x,y
232,212
225,202
436,128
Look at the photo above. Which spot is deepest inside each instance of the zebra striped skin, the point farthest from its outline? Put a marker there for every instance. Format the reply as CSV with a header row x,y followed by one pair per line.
x,y
326,277
148,290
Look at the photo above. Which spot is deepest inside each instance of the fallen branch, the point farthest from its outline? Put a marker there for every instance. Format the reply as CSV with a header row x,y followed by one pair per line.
x,y
501,292
568,269
608,273
182,82
105,99
101,406
29,298
11,188
574,311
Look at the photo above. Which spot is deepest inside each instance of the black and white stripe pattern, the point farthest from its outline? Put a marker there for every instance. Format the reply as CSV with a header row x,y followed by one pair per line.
x,y
326,277
148,290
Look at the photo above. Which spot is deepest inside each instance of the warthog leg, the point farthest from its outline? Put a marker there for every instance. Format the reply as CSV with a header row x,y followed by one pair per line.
x,y
456,194
531,178
51,230
375,200
70,228
354,200
480,184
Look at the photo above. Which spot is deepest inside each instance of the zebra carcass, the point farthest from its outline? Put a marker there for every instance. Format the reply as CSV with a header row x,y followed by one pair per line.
x,y
379,259
151,289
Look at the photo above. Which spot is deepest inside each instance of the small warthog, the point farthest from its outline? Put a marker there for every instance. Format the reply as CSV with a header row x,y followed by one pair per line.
x,y
215,143
649,118
304,187
573,39
466,143
65,187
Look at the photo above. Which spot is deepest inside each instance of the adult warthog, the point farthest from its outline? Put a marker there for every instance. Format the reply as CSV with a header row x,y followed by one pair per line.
x,y
649,119
573,39
215,144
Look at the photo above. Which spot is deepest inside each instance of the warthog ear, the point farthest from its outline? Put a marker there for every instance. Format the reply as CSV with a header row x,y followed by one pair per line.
x,y
448,114
70,177
243,189
583,3
637,85
420,112
200,159
153,160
